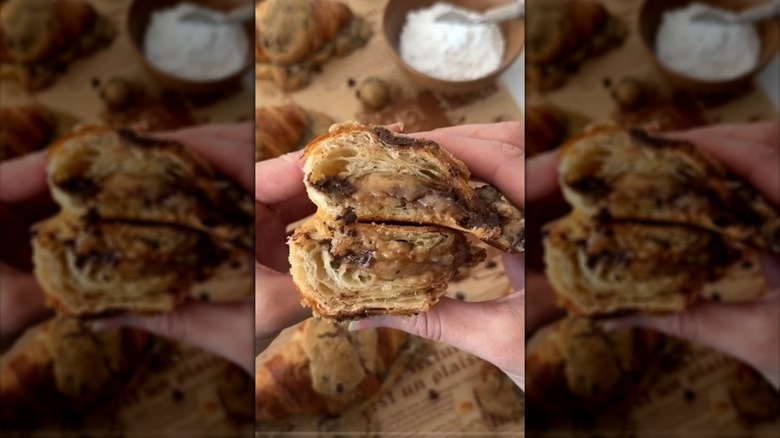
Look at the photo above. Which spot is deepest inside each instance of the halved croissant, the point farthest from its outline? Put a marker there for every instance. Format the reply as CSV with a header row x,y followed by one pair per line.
x,y
371,174
631,175
346,271
98,268
118,175
608,268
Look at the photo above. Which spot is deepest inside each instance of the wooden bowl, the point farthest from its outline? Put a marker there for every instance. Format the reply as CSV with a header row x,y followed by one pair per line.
x,y
138,19
395,17
650,17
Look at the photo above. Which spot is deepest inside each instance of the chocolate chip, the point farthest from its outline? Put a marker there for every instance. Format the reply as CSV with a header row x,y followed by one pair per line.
x,y
715,296
95,82
177,395
689,395
204,296
606,82
351,82
747,264
433,394
460,295
340,388
491,264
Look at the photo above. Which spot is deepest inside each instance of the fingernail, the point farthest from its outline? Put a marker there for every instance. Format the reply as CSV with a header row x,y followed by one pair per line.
x,y
364,324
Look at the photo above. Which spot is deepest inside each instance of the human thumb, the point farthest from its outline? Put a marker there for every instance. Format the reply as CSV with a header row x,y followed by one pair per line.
x,y
748,331
224,329
491,330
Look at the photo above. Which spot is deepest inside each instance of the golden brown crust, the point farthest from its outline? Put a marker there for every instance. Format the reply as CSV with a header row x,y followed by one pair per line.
x,y
284,383
37,37
62,366
574,367
283,129
24,129
563,34
295,37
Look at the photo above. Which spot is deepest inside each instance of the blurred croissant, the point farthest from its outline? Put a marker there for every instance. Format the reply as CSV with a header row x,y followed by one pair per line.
x,y
24,129
45,34
283,129
63,367
294,37
324,368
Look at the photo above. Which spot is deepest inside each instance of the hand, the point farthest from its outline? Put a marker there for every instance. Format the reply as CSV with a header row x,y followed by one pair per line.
x,y
225,329
281,201
749,331
24,200
492,330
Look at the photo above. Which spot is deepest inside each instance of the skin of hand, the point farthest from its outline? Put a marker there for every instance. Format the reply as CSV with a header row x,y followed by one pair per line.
x,y
24,200
748,331
225,329
491,330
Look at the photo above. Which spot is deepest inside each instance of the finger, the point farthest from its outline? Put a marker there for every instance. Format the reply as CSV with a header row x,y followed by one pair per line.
x,y
465,325
770,265
294,209
509,132
271,240
21,301
542,176
279,179
500,163
766,133
225,329
723,327
753,162
231,158
238,132
513,265
23,178
541,303
277,302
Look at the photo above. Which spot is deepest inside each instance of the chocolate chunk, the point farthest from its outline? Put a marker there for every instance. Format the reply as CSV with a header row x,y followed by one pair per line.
x,y
689,395
394,139
334,185
79,186
146,142
460,295
177,395
433,394
348,216
590,186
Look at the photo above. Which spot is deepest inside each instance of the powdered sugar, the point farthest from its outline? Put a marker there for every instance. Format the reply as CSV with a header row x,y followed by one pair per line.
x,y
193,50
706,50
450,51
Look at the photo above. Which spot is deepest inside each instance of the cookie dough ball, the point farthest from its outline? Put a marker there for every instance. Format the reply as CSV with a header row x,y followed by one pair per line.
x,y
373,93
629,93
117,93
